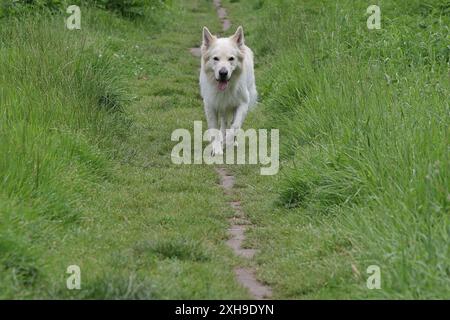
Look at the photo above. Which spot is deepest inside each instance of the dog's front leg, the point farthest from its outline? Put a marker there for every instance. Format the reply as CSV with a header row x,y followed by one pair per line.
x,y
238,119
212,120
223,126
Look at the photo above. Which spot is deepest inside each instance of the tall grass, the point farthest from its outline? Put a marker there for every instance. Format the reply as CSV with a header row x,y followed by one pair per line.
x,y
364,120
60,104
132,9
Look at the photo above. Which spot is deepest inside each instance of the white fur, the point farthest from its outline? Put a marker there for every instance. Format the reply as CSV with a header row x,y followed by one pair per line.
x,y
226,108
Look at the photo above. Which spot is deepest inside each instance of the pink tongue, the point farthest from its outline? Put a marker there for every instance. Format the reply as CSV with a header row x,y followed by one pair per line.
x,y
223,85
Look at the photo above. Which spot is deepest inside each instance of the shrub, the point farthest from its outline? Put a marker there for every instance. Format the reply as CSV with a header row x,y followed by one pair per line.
x,y
13,8
126,8
130,8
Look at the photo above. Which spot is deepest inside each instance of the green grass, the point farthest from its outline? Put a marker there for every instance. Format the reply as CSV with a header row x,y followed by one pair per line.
x,y
86,176
85,170
364,133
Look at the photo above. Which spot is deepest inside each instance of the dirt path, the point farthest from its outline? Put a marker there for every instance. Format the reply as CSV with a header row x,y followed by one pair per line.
x,y
239,223
222,14
226,24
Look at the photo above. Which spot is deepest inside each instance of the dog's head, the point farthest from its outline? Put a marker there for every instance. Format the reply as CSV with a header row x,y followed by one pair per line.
x,y
223,57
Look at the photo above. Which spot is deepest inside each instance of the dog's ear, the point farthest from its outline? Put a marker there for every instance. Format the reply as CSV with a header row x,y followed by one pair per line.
x,y
239,36
208,38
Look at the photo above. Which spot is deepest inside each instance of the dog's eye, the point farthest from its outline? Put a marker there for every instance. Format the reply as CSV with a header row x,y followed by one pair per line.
x,y
216,58
231,59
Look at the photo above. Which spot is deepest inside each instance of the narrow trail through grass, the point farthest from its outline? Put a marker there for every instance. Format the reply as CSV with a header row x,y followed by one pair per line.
x,y
183,212
239,222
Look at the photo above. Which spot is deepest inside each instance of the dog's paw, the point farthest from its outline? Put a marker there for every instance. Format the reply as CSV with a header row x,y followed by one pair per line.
x,y
216,148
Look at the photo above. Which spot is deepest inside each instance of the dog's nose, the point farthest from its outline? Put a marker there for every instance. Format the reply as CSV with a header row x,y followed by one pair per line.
x,y
223,73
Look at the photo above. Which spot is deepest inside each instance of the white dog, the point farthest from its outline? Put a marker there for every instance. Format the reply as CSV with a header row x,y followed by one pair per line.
x,y
227,84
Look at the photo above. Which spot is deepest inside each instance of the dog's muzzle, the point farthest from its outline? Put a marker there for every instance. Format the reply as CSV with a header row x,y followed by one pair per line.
x,y
223,79
223,74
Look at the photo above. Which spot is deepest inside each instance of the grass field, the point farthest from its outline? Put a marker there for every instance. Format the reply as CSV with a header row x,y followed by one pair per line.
x,y
86,176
